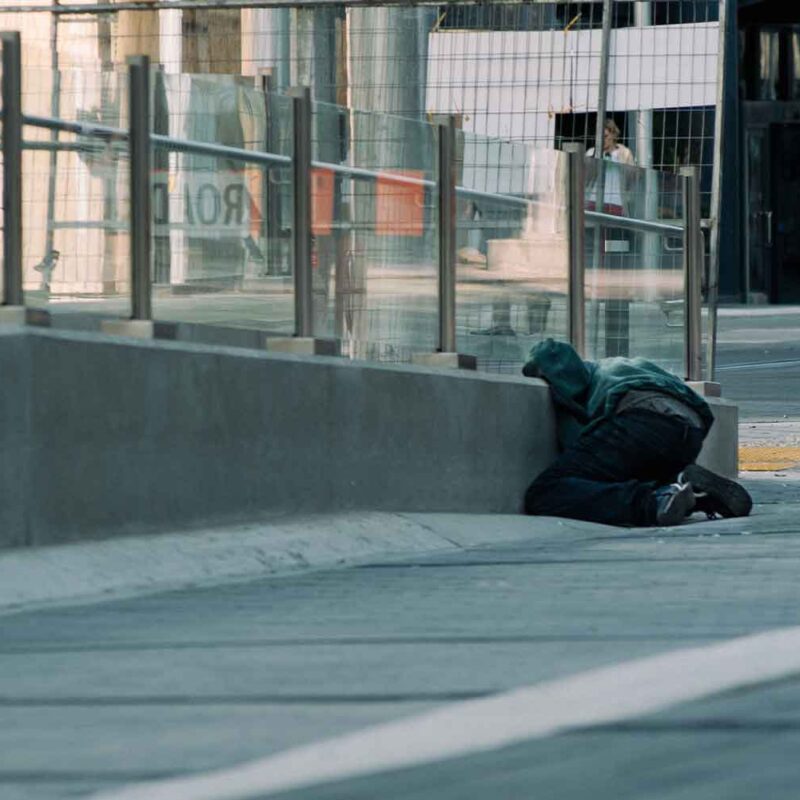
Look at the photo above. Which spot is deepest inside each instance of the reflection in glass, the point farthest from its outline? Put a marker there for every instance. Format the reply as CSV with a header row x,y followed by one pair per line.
x,y
375,248
634,279
512,253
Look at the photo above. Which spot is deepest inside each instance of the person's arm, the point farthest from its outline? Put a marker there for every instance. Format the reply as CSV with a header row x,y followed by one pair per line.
x,y
626,156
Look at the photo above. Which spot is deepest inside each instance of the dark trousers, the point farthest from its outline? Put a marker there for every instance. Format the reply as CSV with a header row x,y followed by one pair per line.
x,y
610,473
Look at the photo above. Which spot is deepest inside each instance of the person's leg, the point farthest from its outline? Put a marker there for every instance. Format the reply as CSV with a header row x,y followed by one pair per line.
x,y
612,472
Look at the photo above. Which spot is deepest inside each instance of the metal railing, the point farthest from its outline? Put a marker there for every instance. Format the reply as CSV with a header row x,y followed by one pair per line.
x,y
141,142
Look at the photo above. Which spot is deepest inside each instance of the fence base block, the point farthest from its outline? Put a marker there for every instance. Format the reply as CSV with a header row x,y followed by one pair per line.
x,y
302,346
12,315
706,388
132,328
445,360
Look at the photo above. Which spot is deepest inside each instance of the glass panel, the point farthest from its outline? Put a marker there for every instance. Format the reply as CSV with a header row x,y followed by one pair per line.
x,y
634,279
222,225
512,251
76,200
374,233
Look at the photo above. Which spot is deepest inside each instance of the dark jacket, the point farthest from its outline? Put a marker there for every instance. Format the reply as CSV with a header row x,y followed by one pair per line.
x,y
586,392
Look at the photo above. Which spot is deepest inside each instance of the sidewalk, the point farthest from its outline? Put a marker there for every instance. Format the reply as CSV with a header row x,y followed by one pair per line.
x,y
200,678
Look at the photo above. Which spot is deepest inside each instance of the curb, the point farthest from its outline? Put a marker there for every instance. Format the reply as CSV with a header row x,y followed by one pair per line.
x,y
113,569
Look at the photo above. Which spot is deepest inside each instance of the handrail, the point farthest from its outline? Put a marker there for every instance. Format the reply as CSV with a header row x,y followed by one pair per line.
x,y
219,150
632,223
79,128
274,159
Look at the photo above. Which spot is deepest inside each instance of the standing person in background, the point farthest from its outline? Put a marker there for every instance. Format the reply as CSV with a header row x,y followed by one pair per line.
x,y
614,190
614,249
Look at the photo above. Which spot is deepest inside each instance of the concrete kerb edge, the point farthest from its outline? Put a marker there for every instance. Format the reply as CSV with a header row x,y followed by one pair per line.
x,y
113,569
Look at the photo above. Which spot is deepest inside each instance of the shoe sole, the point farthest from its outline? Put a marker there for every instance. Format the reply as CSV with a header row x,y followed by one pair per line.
x,y
731,499
678,509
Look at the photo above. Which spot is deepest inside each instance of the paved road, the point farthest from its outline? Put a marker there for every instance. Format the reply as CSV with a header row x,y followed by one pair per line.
x,y
96,696
759,361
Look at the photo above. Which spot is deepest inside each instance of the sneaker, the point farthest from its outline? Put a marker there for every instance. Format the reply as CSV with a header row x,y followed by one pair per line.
x,y
716,495
673,503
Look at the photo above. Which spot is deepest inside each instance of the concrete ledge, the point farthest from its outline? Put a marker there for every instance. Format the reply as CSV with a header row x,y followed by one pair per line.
x,y
101,437
302,345
720,451
136,328
13,315
104,436
445,360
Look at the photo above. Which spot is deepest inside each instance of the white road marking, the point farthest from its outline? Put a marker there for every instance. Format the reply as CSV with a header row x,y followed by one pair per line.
x,y
605,695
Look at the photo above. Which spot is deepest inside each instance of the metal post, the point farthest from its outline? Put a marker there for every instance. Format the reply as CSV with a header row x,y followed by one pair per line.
x,y
726,17
50,255
446,191
141,216
12,169
602,89
301,224
576,306
270,194
692,271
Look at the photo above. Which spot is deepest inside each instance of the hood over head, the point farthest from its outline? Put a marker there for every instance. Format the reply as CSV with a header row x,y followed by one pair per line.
x,y
559,364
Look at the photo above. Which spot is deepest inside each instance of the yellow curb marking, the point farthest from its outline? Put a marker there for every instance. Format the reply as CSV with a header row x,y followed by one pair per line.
x,y
768,459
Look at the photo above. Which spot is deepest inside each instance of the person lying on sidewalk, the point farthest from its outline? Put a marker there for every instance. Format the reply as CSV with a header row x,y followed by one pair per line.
x,y
629,434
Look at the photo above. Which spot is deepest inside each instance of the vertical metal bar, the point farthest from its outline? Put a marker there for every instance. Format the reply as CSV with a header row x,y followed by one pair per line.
x,y
301,224
12,169
270,195
141,216
602,89
598,249
446,191
52,174
692,270
576,222
716,185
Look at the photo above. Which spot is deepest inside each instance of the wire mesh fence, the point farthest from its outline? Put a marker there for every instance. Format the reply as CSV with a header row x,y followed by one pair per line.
x,y
529,72
534,75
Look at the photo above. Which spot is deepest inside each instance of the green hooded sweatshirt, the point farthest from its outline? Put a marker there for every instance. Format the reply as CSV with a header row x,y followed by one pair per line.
x,y
586,392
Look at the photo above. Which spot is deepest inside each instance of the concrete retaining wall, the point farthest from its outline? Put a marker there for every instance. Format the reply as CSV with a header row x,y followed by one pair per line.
x,y
102,436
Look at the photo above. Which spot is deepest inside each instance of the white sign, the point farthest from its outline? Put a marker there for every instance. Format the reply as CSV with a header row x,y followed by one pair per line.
x,y
208,204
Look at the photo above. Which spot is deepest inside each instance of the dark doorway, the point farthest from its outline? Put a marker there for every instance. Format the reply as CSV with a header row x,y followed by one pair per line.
x,y
785,147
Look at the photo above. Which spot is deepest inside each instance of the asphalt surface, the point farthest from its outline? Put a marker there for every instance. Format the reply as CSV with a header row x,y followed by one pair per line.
x,y
98,696
759,361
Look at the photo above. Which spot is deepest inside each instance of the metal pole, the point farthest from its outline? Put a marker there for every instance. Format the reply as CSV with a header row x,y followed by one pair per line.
x,y
598,248
12,170
602,89
576,306
49,257
301,224
270,194
141,217
446,191
692,269
716,187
